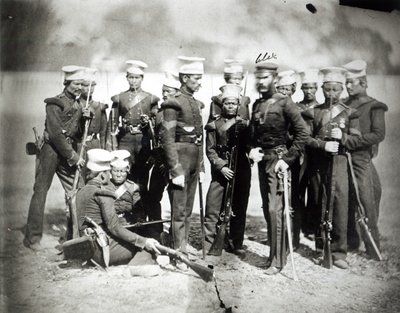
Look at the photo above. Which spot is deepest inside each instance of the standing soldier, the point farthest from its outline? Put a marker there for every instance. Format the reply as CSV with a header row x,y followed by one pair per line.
x,y
272,116
335,127
182,140
96,201
134,107
233,74
58,154
286,83
306,173
372,126
98,125
159,174
221,138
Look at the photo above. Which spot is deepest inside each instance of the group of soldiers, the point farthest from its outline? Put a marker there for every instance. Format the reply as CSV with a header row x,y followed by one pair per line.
x,y
145,147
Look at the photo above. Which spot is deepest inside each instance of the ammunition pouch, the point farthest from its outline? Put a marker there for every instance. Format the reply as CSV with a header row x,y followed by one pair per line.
x,y
81,248
31,148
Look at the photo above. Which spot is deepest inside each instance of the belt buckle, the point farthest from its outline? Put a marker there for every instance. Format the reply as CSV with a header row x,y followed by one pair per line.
x,y
198,140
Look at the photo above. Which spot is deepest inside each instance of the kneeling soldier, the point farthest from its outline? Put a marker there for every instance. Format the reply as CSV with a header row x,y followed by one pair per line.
x,y
96,201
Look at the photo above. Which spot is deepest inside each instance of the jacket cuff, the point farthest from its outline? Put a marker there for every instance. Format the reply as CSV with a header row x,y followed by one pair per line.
x,y
140,242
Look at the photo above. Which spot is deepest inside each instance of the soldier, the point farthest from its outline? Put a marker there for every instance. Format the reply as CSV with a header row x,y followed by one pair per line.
x,y
304,174
159,174
98,125
128,203
272,116
96,201
58,154
233,74
134,107
182,140
220,138
335,127
372,126
286,83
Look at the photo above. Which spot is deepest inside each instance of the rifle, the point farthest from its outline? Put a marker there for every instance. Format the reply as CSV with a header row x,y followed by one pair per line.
x,y
225,215
205,273
71,197
362,219
114,142
284,176
203,235
141,224
327,209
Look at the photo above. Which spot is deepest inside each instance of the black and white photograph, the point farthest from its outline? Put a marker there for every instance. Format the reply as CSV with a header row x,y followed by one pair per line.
x,y
200,156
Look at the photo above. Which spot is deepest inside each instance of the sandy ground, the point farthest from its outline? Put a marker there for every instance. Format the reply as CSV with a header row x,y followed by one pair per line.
x,y
41,281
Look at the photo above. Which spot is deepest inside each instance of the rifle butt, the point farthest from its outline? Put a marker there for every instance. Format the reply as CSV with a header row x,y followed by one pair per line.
x,y
219,240
376,254
327,258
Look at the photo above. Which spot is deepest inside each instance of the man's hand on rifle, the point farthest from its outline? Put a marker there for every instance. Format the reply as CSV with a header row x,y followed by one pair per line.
x,y
332,146
179,181
227,172
256,154
281,166
336,133
201,177
150,245
80,163
87,114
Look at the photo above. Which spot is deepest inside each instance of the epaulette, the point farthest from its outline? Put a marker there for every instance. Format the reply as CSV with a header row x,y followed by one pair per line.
x,y
345,106
171,104
106,192
154,99
245,100
131,186
217,100
55,100
116,98
103,106
211,125
379,105
279,96
201,104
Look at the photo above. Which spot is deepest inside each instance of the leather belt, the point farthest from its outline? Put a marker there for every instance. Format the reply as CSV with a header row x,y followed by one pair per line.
x,y
197,140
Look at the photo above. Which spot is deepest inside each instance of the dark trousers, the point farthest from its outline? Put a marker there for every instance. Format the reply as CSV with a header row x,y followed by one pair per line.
x,y
182,198
215,202
340,204
50,163
363,170
272,202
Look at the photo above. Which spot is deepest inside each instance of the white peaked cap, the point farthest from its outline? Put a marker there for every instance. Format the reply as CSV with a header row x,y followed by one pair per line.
x,y
73,72
233,66
356,68
231,91
285,78
135,67
98,160
333,74
191,65
120,158
309,76
171,80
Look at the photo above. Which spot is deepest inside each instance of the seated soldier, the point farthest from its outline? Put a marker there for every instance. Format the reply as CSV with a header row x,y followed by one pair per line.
x,y
128,204
96,201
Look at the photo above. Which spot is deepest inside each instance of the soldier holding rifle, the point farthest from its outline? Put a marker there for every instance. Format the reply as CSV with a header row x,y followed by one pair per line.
x,y
182,141
335,128
372,126
228,131
59,152
272,116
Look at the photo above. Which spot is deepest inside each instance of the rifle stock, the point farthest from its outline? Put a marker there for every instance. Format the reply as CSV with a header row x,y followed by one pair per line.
x,y
362,219
139,224
205,273
203,234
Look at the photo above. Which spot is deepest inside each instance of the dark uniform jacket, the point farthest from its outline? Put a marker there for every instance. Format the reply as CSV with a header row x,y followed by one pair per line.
x,y
130,106
340,115
182,123
216,108
220,138
63,126
307,112
96,201
98,124
372,122
271,119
